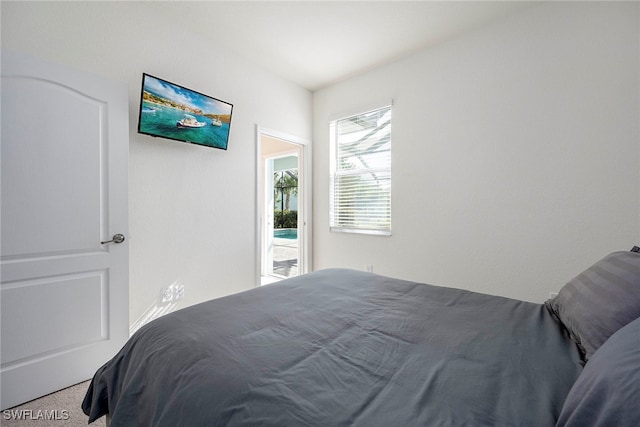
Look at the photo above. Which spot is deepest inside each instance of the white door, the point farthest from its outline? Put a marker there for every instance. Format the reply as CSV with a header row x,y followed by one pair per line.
x,y
267,209
64,159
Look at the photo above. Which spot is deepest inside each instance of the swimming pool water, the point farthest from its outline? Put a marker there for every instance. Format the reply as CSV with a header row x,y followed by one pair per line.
x,y
285,233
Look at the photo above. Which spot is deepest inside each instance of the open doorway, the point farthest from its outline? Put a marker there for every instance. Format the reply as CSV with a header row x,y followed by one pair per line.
x,y
283,188
284,253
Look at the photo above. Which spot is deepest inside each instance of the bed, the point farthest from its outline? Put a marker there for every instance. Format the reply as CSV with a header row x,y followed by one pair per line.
x,y
341,347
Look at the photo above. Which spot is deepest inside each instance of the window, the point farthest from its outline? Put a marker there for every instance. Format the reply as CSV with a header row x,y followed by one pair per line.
x,y
360,199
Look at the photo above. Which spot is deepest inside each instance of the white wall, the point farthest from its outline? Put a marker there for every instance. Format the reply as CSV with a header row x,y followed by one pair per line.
x,y
516,148
516,153
192,209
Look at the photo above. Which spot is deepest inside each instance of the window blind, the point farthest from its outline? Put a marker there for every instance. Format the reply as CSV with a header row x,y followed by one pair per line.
x,y
360,199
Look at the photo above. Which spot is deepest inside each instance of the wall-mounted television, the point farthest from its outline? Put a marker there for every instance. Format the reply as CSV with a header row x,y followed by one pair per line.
x,y
168,110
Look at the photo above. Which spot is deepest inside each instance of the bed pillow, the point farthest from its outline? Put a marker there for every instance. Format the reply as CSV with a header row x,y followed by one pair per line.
x,y
607,391
600,300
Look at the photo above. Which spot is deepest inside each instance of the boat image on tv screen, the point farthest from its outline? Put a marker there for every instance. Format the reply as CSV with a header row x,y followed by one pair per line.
x,y
171,111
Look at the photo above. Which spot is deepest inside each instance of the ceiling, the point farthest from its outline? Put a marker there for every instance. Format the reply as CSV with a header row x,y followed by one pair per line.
x,y
318,43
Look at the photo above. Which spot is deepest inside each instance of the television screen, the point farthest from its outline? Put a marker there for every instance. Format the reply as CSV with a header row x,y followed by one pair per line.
x,y
171,111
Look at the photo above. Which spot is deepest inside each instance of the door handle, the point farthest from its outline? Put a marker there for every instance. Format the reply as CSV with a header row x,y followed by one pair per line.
x,y
117,238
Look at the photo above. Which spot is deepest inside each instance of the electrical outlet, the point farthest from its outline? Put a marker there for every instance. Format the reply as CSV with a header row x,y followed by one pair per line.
x,y
178,291
369,268
167,294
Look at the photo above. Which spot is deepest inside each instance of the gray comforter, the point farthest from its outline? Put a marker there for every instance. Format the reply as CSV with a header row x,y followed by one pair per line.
x,y
342,348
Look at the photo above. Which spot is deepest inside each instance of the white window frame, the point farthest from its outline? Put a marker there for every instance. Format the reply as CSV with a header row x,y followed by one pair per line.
x,y
356,221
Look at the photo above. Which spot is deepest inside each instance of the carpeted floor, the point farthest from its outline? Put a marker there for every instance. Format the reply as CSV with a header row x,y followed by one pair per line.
x,y
53,410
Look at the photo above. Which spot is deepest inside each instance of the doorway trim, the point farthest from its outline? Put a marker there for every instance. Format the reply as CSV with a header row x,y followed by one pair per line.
x,y
304,200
